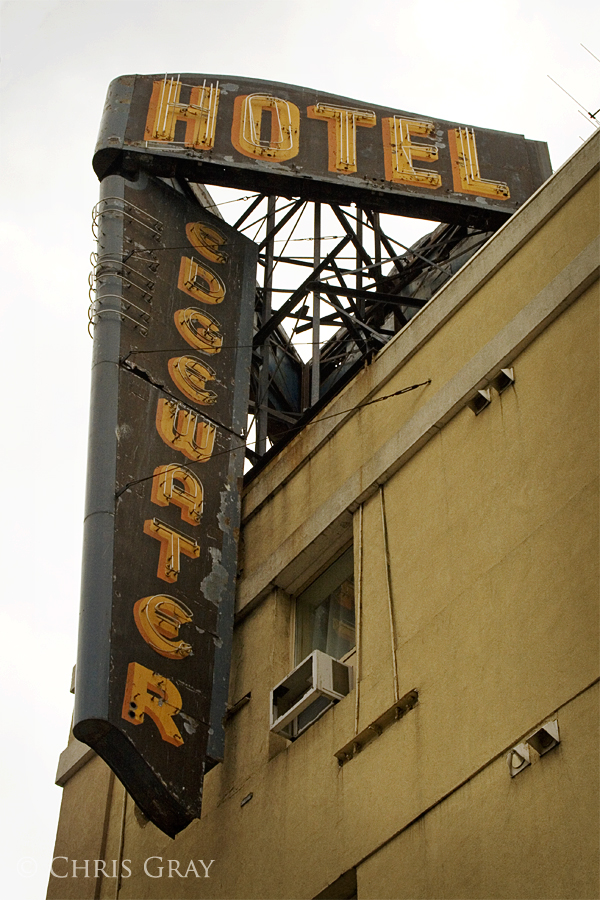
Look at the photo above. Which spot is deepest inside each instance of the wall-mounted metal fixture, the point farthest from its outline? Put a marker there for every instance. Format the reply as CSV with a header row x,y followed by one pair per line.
x,y
481,399
235,707
543,739
518,759
397,711
503,380
116,207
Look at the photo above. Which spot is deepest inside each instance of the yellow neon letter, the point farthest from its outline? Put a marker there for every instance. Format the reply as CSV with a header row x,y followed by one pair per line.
x,y
190,376
179,486
148,692
400,151
200,113
172,544
199,329
158,619
199,282
465,167
341,132
185,430
246,129
207,241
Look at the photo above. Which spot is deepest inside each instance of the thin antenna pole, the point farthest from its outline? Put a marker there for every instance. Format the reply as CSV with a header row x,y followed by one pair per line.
x,y
590,52
591,115
587,119
388,577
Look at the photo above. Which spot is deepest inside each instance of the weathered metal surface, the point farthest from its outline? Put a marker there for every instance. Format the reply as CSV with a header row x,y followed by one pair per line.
x,y
294,141
173,328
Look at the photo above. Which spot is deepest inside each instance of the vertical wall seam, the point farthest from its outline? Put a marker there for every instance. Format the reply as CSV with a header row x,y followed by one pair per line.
x,y
358,617
105,827
388,577
121,844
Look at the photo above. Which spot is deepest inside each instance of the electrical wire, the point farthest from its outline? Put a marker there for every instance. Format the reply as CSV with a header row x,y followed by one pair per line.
x,y
227,346
341,412
225,202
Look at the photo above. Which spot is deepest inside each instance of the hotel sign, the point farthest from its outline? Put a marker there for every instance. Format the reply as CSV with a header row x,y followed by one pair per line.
x,y
173,320
288,140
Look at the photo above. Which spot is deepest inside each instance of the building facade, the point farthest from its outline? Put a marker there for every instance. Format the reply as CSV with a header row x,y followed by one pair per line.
x,y
443,543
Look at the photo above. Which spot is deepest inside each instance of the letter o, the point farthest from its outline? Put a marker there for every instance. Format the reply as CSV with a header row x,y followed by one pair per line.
x,y
247,133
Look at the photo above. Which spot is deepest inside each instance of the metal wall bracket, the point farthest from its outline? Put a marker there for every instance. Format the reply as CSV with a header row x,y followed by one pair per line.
x,y
481,399
377,727
503,380
518,759
546,737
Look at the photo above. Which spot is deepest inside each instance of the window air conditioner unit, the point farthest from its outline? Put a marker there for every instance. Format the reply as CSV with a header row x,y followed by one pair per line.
x,y
309,690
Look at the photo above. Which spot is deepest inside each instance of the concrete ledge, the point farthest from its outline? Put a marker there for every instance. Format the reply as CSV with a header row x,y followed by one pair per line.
x,y
71,760
283,566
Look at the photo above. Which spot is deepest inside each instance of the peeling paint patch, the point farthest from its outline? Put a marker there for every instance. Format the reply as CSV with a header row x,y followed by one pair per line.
x,y
215,584
122,431
224,515
189,723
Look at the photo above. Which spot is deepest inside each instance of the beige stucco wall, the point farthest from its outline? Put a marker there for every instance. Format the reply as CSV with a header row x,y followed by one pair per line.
x,y
498,838
493,539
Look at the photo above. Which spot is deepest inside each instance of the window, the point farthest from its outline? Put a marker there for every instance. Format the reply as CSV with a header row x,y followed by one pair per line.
x,y
325,611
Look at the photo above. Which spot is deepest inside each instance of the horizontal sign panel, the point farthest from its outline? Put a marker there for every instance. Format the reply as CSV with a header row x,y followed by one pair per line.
x,y
173,331
282,139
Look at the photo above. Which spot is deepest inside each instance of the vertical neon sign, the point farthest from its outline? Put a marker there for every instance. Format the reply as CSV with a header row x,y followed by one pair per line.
x,y
173,333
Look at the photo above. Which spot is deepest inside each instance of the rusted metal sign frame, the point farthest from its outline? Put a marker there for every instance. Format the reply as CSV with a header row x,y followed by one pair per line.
x,y
320,147
168,410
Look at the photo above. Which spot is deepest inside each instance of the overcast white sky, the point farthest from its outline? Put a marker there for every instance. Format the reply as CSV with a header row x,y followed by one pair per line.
x,y
483,64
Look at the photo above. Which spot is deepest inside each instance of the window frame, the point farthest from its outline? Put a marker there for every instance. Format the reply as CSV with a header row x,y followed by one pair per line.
x,y
316,592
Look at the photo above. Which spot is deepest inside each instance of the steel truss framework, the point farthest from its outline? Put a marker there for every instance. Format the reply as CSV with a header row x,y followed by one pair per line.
x,y
322,313
325,303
